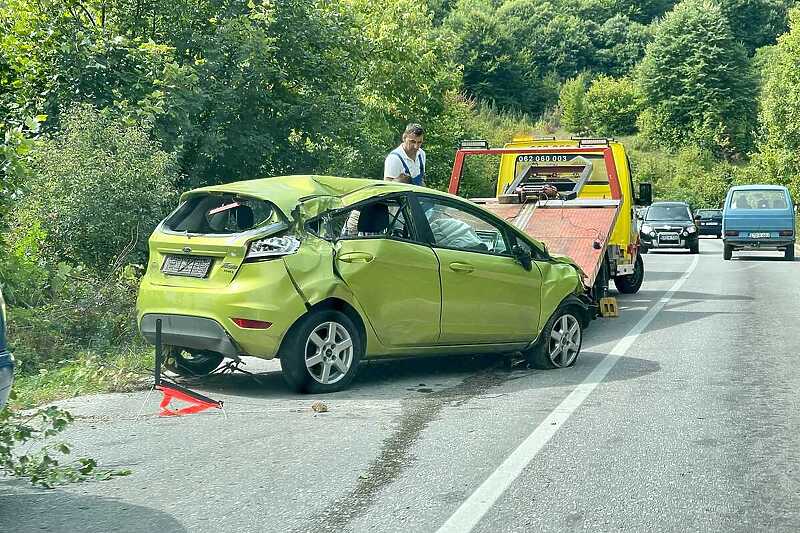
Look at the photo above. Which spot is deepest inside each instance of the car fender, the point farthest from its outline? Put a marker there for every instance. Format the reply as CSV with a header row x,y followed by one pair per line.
x,y
559,280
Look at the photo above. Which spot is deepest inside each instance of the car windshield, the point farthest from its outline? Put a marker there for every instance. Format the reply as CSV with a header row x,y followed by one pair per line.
x,y
758,199
222,214
709,213
668,212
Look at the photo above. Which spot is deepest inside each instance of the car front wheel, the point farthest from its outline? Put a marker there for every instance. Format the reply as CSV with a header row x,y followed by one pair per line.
x,y
321,353
560,341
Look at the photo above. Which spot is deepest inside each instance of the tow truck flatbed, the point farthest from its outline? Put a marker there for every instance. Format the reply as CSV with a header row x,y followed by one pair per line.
x,y
578,229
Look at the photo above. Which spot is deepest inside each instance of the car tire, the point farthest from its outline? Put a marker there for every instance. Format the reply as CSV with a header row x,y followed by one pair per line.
x,y
549,352
321,353
191,363
631,283
727,252
643,249
719,235
694,248
788,254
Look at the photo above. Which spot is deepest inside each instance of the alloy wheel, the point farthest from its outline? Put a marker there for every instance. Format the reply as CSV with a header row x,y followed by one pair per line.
x,y
565,341
329,352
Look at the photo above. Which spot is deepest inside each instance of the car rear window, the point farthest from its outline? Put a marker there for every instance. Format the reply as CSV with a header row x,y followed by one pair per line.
x,y
759,199
220,214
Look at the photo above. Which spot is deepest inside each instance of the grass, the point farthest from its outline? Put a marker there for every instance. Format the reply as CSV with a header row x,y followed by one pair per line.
x,y
89,373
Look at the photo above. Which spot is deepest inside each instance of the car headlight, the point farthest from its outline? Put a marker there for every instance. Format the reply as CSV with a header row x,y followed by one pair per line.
x,y
273,247
690,229
646,228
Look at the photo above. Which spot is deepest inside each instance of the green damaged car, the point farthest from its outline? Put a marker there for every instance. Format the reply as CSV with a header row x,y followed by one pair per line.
x,y
323,272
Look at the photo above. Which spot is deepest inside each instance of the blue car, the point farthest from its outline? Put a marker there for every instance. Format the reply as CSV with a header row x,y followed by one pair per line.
x,y
758,217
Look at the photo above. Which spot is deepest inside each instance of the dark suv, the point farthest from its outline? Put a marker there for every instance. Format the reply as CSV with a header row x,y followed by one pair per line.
x,y
6,360
668,225
710,222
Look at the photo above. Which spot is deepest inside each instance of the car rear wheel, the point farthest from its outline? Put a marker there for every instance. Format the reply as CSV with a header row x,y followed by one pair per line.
x,y
191,363
560,341
631,283
788,254
727,252
321,353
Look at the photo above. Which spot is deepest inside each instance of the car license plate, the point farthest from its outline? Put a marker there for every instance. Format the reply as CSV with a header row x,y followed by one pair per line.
x,y
759,235
668,237
191,266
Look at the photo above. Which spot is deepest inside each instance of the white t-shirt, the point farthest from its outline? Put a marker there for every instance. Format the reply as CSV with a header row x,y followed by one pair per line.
x,y
392,167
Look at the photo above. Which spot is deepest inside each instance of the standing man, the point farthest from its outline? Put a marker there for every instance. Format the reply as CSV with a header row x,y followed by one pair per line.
x,y
406,163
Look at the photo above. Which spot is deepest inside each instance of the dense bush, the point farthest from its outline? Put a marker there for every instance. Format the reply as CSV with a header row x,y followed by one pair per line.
x,y
98,188
612,106
572,103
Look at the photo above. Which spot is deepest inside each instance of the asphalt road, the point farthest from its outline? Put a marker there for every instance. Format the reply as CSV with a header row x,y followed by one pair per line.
x,y
682,415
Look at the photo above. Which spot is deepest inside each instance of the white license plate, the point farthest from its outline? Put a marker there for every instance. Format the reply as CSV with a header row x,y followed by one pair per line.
x,y
191,266
668,237
759,235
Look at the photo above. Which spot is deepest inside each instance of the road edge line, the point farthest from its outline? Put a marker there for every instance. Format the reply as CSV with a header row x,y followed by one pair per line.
x,y
475,507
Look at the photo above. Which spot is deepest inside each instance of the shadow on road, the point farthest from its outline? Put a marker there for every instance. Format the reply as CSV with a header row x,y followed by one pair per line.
x,y
24,508
398,378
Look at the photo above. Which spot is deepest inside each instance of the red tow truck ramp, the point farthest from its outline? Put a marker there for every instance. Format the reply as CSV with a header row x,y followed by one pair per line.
x,y
579,229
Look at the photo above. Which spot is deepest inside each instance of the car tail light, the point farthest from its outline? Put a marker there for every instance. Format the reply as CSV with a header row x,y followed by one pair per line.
x,y
273,247
786,232
247,323
731,233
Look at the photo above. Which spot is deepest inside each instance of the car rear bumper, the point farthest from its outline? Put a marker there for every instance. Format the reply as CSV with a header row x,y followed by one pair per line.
x,y
758,244
6,376
189,332
202,319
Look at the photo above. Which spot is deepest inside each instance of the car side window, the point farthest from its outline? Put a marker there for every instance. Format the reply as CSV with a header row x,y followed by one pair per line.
x,y
384,218
461,229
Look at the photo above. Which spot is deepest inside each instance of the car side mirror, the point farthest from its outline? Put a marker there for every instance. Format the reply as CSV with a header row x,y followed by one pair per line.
x,y
645,194
523,257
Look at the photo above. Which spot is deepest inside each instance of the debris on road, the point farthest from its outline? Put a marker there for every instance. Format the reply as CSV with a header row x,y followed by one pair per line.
x,y
319,407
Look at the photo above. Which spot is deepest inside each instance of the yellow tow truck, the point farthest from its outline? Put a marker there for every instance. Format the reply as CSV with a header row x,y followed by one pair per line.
x,y
575,195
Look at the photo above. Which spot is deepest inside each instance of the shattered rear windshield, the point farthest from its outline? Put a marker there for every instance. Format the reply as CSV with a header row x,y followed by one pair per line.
x,y
220,214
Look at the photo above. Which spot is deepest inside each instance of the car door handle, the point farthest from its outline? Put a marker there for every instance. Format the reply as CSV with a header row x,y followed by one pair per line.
x,y
461,267
356,257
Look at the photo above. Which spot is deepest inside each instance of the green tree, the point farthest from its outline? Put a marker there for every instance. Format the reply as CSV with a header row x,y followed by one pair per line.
x,y
698,84
778,157
572,102
97,186
756,23
612,106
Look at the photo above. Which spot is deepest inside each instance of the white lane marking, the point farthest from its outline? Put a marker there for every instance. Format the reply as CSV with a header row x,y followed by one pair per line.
x,y
478,504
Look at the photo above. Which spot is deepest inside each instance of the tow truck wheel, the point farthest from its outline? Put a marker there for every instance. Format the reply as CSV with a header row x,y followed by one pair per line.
x,y
191,363
560,341
321,353
631,283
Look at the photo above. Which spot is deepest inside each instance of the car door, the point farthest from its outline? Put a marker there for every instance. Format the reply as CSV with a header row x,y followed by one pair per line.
x,y
393,276
487,295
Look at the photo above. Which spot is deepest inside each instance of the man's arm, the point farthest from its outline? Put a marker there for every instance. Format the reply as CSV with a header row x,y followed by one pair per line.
x,y
393,170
